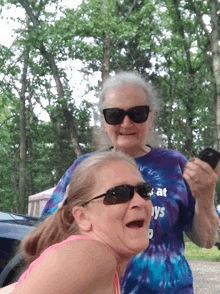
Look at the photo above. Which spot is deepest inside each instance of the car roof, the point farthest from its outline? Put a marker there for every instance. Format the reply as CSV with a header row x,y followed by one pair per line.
x,y
7,216
16,226
26,220
14,231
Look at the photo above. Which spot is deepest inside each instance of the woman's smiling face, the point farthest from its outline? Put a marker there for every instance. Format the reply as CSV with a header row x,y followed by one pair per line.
x,y
128,135
123,227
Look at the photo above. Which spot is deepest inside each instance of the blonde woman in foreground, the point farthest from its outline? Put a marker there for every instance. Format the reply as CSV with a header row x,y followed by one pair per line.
x,y
103,221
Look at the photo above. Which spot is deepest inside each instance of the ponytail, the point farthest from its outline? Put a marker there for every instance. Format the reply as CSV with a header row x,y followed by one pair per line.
x,y
54,229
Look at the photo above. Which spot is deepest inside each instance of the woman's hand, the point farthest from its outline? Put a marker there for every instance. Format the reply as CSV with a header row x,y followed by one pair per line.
x,y
202,180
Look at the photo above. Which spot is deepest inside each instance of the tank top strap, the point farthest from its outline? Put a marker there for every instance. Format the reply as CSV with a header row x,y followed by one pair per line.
x,y
117,285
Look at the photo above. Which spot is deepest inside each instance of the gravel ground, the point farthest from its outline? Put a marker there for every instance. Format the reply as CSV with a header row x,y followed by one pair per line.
x,y
206,275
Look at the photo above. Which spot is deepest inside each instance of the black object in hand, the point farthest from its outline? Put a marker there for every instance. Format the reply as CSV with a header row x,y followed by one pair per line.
x,y
210,156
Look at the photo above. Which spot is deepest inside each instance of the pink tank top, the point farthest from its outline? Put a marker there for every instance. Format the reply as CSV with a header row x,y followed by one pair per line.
x,y
38,260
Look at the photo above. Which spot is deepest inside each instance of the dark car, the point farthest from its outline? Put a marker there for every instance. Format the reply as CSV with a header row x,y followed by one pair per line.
x,y
13,228
218,242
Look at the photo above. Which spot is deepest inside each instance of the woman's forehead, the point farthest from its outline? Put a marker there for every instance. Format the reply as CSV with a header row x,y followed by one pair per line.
x,y
119,171
126,93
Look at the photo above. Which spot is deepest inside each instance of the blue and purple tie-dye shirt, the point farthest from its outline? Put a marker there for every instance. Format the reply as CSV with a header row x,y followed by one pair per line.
x,y
162,267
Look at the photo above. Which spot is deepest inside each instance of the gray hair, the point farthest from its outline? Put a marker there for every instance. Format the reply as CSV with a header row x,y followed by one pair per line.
x,y
124,78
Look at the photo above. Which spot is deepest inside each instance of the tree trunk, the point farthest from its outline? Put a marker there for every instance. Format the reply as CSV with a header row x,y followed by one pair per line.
x,y
14,180
216,63
214,40
55,72
106,56
22,165
106,47
189,104
190,110
29,121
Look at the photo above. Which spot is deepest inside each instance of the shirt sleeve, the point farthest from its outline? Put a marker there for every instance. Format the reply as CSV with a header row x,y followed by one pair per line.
x,y
59,192
187,208
218,210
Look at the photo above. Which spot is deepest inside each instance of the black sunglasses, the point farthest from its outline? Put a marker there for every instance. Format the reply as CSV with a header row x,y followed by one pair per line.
x,y
124,193
115,116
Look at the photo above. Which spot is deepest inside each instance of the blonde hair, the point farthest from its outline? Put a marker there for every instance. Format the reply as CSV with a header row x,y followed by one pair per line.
x,y
61,224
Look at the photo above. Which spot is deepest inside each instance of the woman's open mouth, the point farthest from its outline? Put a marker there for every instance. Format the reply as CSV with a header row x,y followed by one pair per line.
x,y
127,134
135,224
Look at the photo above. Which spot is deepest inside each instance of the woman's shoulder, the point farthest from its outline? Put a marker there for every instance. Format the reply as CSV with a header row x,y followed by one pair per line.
x,y
168,153
81,243
78,266
80,159
86,252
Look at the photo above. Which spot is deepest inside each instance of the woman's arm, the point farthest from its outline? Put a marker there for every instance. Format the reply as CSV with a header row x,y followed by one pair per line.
x,y
202,180
82,266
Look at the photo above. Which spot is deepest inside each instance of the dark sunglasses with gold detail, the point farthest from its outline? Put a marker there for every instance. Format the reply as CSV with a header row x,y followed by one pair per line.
x,y
122,194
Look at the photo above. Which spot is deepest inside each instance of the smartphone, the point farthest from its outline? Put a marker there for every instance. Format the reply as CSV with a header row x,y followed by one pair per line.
x,y
210,156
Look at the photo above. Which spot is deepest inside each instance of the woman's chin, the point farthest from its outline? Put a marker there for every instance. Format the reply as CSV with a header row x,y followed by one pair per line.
x,y
126,144
137,248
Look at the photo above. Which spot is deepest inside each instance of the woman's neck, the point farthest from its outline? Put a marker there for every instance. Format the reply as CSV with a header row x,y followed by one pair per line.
x,y
122,262
135,151
121,269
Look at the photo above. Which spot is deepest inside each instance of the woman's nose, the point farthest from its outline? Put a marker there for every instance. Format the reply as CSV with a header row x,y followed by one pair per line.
x,y
138,201
126,122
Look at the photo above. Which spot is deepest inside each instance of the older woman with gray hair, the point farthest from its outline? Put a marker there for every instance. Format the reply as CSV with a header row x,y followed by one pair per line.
x,y
183,192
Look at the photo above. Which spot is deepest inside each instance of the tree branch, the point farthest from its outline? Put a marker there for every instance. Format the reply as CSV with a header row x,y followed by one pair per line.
x,y
200,16
7,120
26,6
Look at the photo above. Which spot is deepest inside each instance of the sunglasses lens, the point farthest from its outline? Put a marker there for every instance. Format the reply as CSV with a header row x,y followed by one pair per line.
x,y
144,190
125,193
119,194
114,116
139,114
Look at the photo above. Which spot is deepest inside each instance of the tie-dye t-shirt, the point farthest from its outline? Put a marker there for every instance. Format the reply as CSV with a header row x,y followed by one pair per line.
x,y
162,267
218,210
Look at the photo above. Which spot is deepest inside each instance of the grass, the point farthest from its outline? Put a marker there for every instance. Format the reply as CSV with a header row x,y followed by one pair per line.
x,y
194,252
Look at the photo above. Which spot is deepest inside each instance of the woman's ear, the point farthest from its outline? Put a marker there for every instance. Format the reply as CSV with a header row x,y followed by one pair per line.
x,y
81,216
152,113
103,123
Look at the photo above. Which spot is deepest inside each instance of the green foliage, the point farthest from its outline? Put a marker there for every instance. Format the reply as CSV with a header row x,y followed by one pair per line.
x,y
188,112
162,40
193,252
9,153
